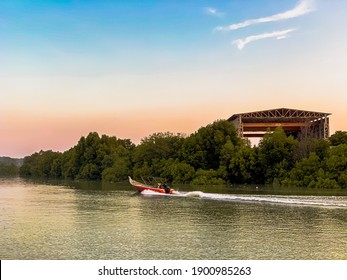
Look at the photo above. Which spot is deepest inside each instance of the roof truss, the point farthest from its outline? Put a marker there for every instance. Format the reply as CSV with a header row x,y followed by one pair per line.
x,y
281,113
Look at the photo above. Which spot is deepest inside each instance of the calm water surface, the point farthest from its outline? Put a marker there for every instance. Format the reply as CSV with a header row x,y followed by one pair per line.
x,y
94,221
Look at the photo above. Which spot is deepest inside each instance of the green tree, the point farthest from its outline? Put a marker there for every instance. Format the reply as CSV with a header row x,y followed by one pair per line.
x,y
69,168
276,154
87,160
305,173
39,164
147,156
207,177
331,172
309,145
89,156
203,149
177,172
95,157
336,163
8,169
117,165
56,167
339,137
242,166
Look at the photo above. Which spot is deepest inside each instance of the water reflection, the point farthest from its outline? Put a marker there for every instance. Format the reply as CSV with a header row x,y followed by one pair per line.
x,y
84,220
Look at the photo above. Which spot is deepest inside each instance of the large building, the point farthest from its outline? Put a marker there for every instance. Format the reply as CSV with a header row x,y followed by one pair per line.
x,y
299,123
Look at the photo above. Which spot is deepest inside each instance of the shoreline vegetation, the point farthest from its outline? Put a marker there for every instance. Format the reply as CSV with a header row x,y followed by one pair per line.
x,y
9,167
213,155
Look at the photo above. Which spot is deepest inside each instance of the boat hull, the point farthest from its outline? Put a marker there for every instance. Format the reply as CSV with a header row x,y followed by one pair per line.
x,y
142,187
158,190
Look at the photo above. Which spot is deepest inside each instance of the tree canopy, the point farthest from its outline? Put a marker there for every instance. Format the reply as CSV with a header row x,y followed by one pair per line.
x,y
214,154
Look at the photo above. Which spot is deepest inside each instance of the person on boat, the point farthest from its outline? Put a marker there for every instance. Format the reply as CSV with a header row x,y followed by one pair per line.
x,y
166,188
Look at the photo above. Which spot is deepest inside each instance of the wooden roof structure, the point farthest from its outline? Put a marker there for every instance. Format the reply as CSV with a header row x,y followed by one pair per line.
x,y
299,123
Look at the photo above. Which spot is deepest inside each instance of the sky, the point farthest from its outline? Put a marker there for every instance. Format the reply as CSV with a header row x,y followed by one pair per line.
x,y
132,68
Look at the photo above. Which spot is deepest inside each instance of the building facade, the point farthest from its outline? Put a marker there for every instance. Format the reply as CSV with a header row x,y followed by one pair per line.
x,y
299,123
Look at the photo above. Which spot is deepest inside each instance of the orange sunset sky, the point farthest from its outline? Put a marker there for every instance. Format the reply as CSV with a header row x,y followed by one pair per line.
x,y
126,69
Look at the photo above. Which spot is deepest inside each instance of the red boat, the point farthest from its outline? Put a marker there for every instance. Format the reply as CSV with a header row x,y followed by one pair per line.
x,y
160,188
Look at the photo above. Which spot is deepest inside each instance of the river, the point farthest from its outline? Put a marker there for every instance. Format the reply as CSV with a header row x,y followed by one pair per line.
x,y
76,220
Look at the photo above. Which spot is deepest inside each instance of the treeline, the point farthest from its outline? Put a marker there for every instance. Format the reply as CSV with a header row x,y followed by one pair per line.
x,y
8,169
212,155
9,166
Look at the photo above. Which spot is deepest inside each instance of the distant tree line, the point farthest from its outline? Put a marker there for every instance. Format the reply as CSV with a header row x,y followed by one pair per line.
x,y
212,155
8,169
9,166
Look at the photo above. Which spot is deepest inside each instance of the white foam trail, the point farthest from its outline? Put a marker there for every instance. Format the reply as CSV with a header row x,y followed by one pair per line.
x,y
149,192
330,201
195,194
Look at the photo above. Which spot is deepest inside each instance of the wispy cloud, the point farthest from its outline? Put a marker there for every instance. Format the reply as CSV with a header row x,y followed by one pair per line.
x,y
241,43
213,12
302,8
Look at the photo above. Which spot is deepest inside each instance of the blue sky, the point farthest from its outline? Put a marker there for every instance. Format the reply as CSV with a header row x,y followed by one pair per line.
x,y
132,68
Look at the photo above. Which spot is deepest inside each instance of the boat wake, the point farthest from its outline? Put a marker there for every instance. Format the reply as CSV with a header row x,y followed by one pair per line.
x,y
149,192
329,201
323,201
